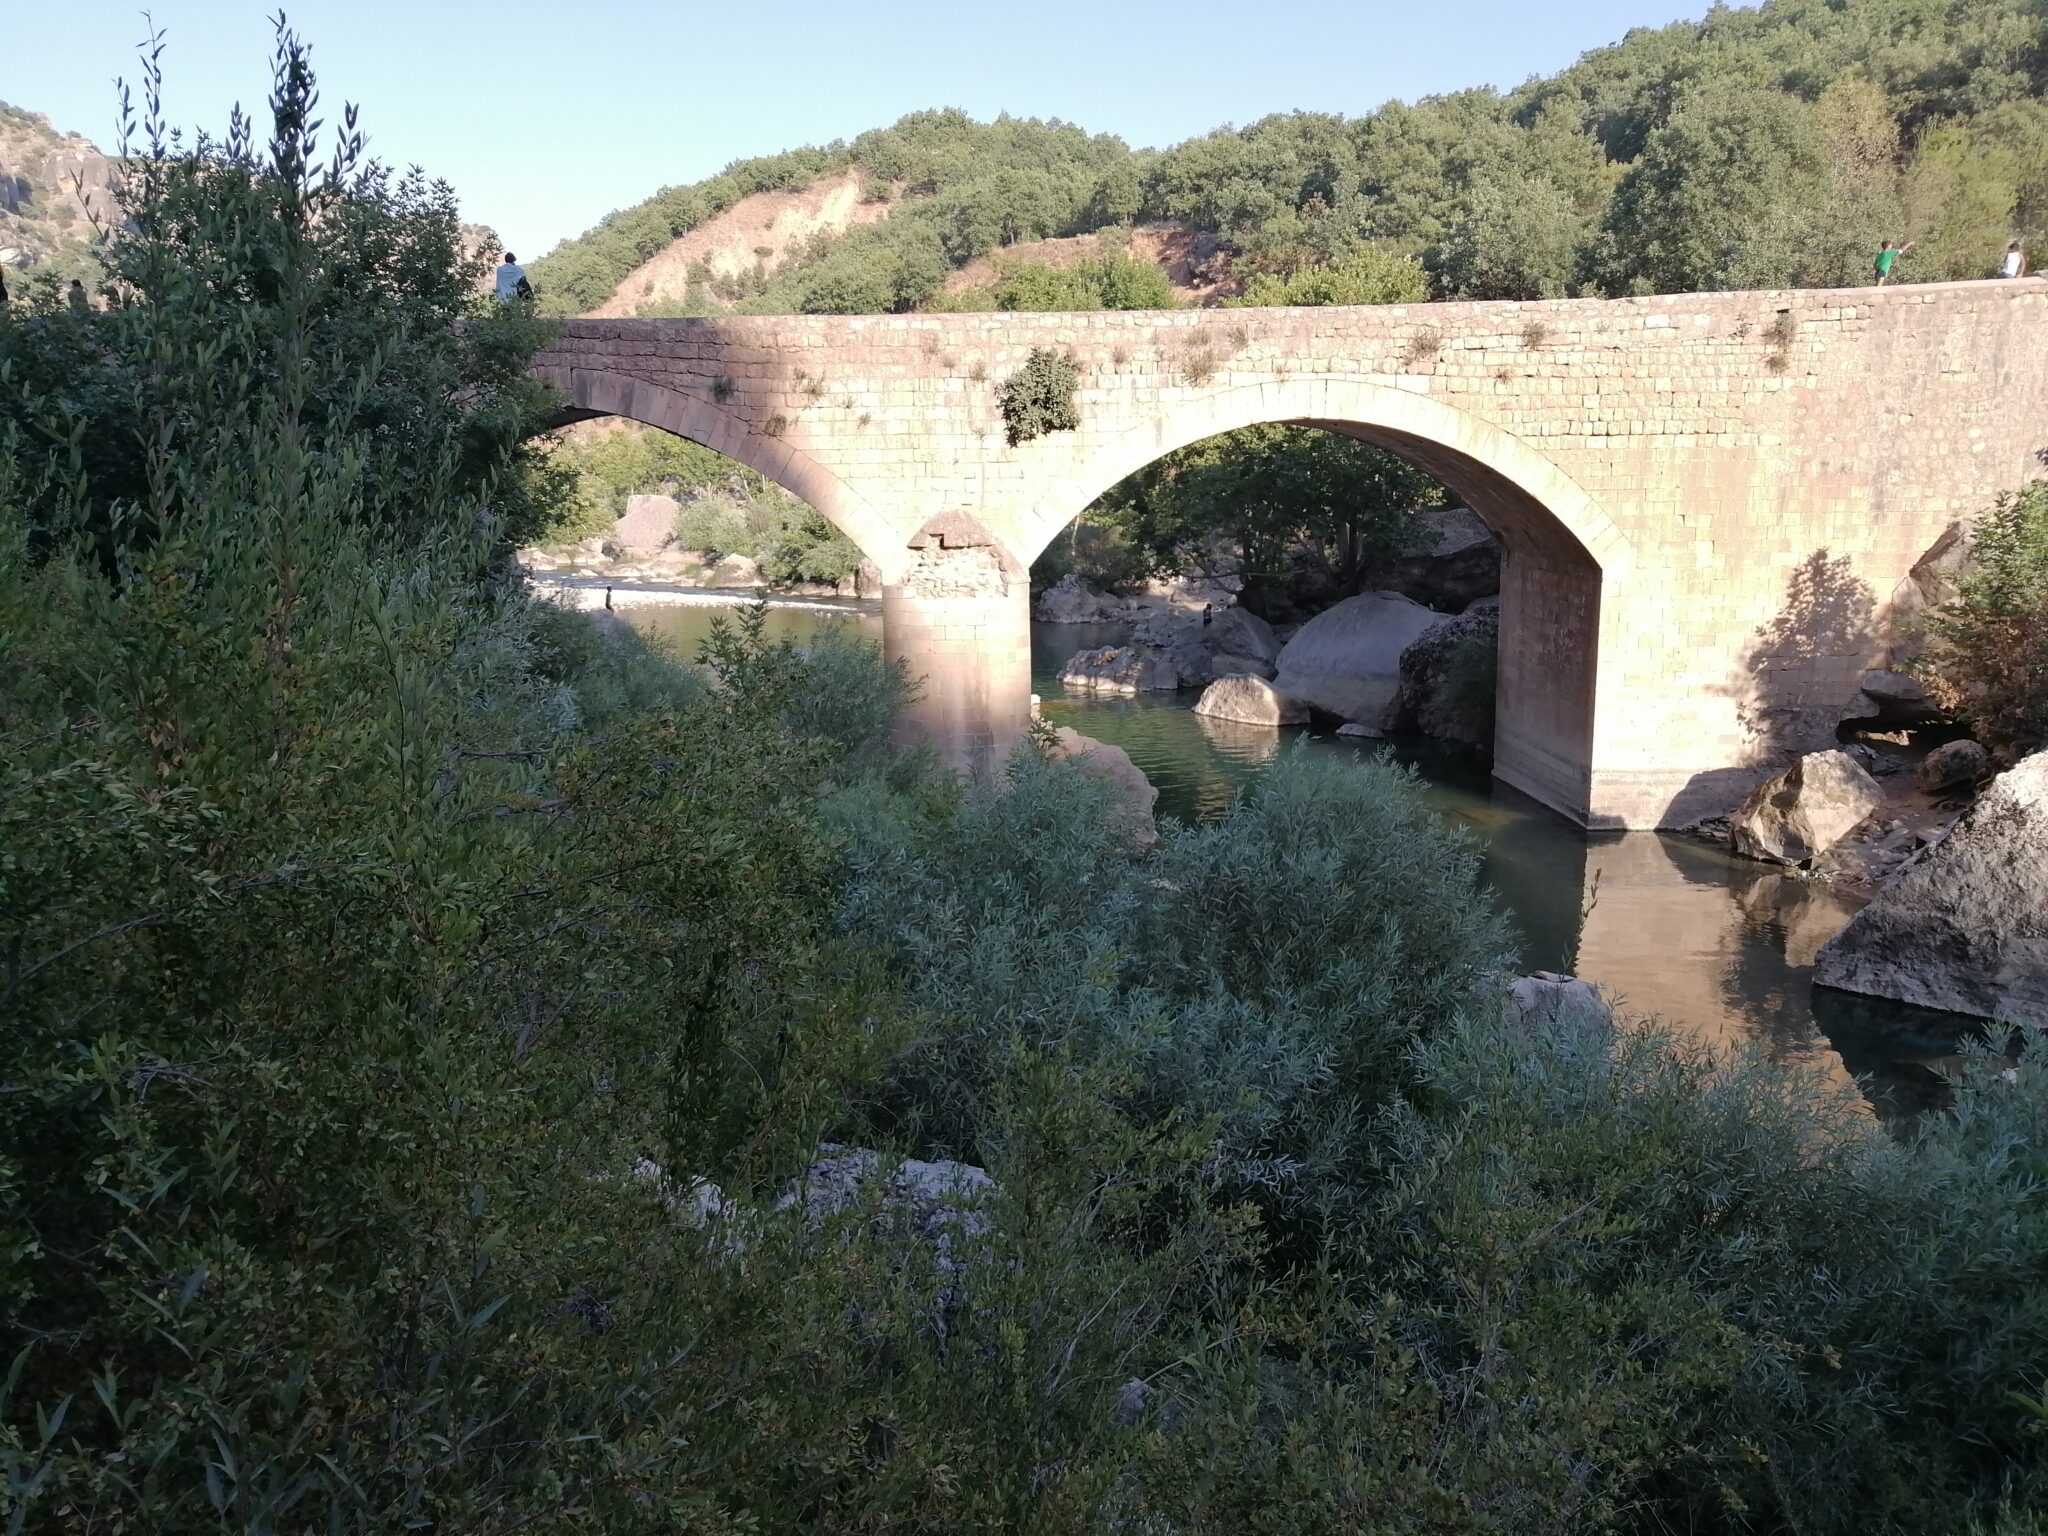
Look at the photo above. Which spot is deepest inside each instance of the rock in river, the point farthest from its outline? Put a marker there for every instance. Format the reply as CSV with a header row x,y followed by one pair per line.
x,y
1346,661
1964,925
1119,669
1251,700
1805,810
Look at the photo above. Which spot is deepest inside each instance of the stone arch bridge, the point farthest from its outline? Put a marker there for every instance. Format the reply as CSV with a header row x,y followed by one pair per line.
x,y
1711,504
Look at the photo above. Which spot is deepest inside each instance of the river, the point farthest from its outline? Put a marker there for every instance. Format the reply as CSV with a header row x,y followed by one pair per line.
x,y
1720,948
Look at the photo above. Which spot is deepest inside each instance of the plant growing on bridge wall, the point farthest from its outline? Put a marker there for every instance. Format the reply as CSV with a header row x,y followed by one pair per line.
x,y
1039,397
1422,347
1779,333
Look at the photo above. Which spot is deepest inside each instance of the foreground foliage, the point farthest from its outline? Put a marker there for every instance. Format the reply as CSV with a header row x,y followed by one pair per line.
x,y
369,934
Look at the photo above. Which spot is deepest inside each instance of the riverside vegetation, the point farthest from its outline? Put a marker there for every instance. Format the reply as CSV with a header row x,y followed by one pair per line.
x,y
364,923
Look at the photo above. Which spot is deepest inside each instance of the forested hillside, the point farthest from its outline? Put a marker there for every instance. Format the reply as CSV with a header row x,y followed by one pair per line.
x,y
1759,147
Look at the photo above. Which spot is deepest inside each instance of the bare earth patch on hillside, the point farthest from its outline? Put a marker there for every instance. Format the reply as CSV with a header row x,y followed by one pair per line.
x,y
759,230
1196,262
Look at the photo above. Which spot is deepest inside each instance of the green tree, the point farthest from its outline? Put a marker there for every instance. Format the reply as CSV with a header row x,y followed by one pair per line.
x,y
1369,274
1988,646
1274,493
1516,239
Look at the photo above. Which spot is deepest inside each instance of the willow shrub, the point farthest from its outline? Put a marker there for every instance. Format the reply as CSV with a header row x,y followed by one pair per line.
x,y
1262,975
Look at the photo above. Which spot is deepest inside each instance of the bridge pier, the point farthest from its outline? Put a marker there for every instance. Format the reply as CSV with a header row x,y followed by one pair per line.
x,y
960,622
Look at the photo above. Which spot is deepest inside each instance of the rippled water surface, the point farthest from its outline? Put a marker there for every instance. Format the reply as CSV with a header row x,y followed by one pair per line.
x,y
1720,947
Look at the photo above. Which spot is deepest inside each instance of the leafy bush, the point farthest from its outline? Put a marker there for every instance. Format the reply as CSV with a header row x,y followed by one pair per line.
x,y
1039,397
1988,651
1370,274
786,537
1023,923
438,407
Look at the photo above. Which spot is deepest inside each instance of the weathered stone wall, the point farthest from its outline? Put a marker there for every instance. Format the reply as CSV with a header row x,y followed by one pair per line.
x,y
1707,500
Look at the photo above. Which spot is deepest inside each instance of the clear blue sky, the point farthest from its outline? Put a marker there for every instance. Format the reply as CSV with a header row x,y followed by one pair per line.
x,y
546,116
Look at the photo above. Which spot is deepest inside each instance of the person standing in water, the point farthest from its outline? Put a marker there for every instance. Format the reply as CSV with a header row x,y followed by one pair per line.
x,y
1888,258
512,283
2015,262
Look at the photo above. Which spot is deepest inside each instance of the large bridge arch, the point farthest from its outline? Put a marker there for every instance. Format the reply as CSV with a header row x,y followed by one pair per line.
x,y
591,392
1566,560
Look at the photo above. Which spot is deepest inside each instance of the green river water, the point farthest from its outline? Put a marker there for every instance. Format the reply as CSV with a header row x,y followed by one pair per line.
x,y
1719,947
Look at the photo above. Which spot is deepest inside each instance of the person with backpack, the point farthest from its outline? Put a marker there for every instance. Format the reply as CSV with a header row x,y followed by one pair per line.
x,y
512,283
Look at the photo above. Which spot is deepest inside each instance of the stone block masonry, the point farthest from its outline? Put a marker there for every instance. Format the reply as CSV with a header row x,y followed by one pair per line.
x,y
1706,500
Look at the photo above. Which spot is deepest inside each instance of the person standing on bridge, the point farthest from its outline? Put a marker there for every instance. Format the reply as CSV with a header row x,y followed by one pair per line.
x,y
512,283
1888,257
2015,262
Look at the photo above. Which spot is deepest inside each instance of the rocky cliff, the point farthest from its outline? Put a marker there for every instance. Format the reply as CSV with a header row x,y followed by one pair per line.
x,y
51,184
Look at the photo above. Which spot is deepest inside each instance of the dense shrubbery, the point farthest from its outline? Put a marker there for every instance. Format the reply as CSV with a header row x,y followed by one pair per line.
x,y
364,925
1113,280
1988,651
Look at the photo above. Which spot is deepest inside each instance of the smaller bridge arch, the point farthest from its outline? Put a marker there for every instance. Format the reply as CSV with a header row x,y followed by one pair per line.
x,y
591,392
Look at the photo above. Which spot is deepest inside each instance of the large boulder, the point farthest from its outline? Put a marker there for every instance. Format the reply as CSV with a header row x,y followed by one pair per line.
x,y
1895,699
1119,669
1456,563
1953,765
1963,926
1447,677
647,525
1544,996
1235,632
1251,701
734,571
1070,600
1346,661
1805,810
1113,766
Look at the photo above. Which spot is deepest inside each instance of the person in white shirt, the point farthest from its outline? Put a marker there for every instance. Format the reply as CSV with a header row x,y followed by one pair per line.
x,y
2015,263
512,283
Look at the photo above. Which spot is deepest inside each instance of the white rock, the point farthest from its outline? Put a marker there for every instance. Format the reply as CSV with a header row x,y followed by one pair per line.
x,y
1070,600
1119,669
1113,766
1951,766
648,522
1251,700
